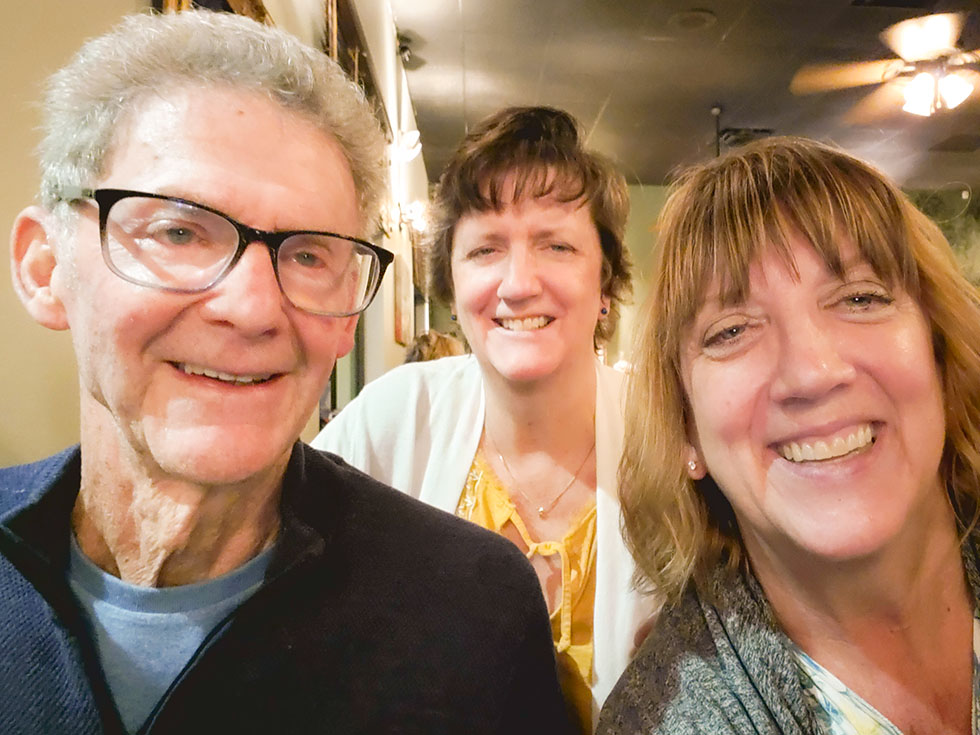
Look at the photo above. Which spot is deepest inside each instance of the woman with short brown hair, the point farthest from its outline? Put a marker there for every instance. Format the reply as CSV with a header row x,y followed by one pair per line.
x,y
524,435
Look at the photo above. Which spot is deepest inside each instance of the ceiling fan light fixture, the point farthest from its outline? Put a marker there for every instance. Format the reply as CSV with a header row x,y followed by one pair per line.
x,y
953,89
920,95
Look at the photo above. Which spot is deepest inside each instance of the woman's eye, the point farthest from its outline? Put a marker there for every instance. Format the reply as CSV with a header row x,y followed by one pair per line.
x,y
561,247
866,300
477,253
725,336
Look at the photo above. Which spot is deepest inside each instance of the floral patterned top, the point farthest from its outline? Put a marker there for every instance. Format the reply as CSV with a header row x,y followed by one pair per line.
x,y
842,712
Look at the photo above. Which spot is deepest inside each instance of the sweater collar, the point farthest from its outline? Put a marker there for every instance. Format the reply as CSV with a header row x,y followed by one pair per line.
x,y
35,530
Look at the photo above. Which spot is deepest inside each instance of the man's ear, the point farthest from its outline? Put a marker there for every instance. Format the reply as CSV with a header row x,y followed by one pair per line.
x,y
345,339
32,265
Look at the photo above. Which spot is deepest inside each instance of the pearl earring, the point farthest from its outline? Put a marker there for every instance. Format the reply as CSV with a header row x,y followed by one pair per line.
x,y
692,465
604,310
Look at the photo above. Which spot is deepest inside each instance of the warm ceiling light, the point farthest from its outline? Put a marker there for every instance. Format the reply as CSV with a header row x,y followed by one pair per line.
x,y
953,89
925,94
920,95
927,37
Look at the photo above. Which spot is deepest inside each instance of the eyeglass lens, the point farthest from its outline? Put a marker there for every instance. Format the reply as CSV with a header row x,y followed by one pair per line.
x,y
182,247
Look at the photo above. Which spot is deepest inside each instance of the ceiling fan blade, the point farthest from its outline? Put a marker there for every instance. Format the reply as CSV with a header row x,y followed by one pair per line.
x,y
881,103
824,77
928,37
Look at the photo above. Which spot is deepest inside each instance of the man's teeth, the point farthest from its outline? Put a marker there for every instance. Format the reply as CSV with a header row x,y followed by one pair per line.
x,y
820,450
524,325
224,377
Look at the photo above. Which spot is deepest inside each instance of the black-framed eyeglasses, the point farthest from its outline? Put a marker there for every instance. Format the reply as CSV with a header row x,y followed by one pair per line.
x,y
177,245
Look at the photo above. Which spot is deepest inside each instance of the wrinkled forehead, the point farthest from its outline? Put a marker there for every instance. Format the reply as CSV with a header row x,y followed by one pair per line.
x,y
237,151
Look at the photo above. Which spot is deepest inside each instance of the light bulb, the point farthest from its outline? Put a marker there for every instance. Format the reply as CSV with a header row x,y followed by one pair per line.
x,y
953,89
920,95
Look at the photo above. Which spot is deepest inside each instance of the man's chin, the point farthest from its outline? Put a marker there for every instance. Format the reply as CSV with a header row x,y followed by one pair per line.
x,y
219,456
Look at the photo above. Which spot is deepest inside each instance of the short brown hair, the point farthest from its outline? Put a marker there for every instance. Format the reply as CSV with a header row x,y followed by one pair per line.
x,y
541,147
720,218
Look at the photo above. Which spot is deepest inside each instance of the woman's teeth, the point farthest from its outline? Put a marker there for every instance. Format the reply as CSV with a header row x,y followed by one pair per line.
x,y
526,324
820,450
224,377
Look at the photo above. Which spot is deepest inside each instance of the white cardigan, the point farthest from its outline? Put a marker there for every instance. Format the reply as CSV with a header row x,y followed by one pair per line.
x,y
418,428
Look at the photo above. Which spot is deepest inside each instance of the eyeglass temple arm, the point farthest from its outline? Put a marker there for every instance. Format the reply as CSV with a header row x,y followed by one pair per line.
x,y
76,193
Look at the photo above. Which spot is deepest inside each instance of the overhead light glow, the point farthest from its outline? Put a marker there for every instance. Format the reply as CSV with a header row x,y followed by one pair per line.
x,y
920,95
953,89
926,37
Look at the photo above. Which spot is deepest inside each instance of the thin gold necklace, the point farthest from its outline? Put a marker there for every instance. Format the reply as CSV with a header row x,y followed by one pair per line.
x,y
543,510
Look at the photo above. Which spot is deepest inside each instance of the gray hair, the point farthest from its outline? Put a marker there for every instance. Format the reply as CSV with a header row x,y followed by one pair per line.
x,y
89,99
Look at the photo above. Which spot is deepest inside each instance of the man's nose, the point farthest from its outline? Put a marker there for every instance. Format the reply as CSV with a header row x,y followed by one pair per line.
x,y
249,297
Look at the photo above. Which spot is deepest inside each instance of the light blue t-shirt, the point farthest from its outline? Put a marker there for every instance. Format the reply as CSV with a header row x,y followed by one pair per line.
x,y
146,635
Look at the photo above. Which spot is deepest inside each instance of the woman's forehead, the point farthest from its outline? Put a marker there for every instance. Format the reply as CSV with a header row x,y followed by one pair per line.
x,y
728,280
507,187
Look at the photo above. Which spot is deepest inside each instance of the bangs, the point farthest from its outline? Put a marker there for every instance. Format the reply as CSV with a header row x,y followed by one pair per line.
x,y
724,216
524,153
511,183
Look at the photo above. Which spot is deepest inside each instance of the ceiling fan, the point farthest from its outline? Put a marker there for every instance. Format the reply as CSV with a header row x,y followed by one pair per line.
x,y
930,73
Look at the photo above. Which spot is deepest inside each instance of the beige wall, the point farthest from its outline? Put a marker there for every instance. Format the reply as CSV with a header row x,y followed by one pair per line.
x,y
39,397
407,183
645,205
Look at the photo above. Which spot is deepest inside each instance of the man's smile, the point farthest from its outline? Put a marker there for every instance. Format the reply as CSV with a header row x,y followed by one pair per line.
x,y
223,377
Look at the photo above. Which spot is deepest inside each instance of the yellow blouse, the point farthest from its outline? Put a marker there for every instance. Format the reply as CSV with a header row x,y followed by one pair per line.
x,y
486,502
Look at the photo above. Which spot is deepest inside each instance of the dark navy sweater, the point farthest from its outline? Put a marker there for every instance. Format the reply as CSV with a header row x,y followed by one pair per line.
x,y
379,615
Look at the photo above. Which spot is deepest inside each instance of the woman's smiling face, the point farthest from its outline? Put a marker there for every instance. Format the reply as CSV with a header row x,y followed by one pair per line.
x,y
816,406
527,287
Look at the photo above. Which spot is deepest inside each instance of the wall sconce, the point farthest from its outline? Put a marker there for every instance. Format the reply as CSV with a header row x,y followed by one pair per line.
x,y
407,147
413,216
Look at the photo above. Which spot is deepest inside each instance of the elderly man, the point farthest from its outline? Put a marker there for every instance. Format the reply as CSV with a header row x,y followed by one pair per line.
x,y
191,567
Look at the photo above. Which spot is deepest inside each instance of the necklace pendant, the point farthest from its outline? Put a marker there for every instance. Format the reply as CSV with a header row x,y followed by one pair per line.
x,y
541,511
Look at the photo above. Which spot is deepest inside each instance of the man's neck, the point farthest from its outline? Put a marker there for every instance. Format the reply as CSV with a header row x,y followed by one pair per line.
x,y
151,529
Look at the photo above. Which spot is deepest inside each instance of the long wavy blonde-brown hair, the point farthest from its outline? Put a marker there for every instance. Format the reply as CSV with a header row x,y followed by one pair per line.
x,y
718,220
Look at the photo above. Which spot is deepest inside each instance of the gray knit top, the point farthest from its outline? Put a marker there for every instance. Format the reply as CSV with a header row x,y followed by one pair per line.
x,y
722,667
